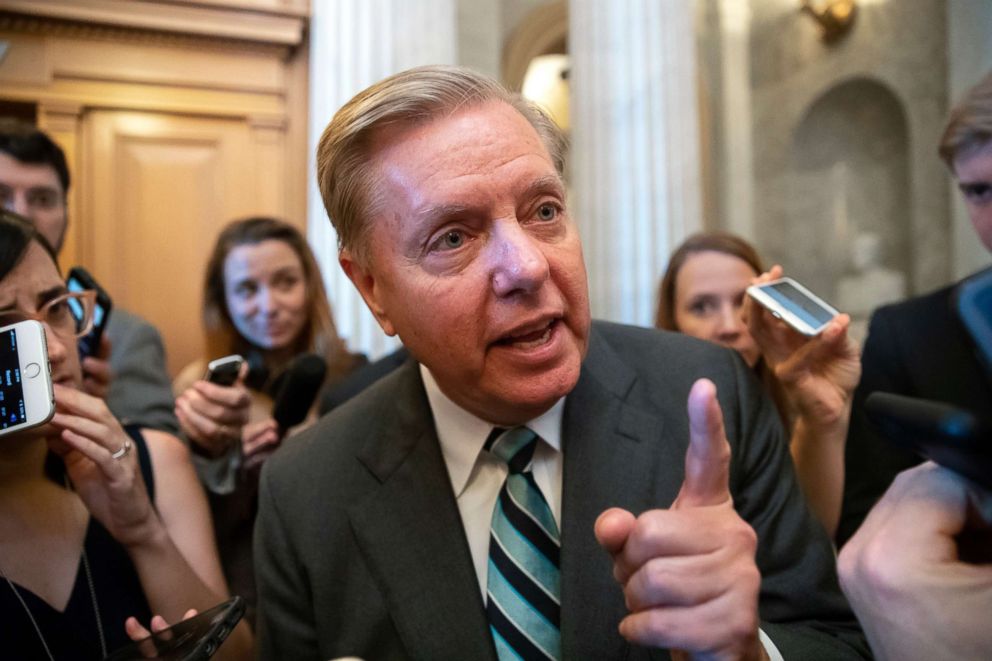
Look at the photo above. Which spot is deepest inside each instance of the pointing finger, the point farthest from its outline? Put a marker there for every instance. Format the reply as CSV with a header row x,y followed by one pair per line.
x,y
707,460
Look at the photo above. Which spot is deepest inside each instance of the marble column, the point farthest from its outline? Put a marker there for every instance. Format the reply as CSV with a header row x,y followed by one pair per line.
x,y
354,43
636,175
737,152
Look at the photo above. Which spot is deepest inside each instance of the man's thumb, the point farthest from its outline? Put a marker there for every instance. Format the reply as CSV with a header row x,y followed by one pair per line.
x,y
707,460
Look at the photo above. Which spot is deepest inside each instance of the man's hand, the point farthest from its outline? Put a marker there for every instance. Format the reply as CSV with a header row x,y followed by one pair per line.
x,y
904,574
688,572
96,371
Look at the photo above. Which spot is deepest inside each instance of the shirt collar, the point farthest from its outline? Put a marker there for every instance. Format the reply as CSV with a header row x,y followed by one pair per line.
x,y
463,434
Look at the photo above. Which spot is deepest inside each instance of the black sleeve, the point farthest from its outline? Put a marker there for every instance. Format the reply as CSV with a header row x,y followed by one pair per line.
x,y
801,606
870,461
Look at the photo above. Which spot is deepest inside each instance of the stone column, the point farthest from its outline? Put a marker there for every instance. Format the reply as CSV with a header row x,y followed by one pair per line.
x,y
354,43
737,185
636,176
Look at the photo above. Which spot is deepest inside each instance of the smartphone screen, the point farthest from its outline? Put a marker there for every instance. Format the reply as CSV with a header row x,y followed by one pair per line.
x,y
12,407
26,397
799,304
81,280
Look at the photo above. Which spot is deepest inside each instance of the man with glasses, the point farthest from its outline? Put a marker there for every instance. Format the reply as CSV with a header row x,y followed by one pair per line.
x,y
129,370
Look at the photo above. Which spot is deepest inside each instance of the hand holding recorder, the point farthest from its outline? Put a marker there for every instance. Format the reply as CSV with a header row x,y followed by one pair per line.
x,y
214,410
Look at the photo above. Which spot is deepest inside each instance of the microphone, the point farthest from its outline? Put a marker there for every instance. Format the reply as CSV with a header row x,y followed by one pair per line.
x,y
300,385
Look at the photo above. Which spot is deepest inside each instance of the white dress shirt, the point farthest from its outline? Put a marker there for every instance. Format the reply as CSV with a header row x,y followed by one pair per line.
x,y
477,476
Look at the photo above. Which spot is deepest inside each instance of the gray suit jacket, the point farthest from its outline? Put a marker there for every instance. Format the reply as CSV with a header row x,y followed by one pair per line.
x,y
359,547
141,391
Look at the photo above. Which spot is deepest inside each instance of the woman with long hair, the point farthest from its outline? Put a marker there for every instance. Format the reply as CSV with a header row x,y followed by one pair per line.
x,y
264,300
101,525
811,380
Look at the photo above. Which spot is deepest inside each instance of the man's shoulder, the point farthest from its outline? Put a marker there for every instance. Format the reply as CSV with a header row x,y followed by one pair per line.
x,y
335,441
638,344
924,306
123,323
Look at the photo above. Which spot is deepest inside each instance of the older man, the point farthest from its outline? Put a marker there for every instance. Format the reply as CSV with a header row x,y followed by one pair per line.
x,y
460,507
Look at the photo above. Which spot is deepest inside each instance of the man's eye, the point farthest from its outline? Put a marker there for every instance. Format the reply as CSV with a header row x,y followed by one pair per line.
x,y
978,193
43,199
451,240
547,212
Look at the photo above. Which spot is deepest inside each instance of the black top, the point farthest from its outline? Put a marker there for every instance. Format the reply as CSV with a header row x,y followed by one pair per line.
x,y
917,348
73,634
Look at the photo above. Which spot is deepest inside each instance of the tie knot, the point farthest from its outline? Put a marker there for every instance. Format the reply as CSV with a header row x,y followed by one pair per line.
x,y
515,447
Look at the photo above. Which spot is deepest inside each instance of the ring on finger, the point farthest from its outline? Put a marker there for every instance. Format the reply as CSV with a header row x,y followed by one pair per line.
x,y
124,450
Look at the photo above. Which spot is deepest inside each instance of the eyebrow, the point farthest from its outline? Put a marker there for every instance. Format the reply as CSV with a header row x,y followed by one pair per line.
x,y
51,293
548,184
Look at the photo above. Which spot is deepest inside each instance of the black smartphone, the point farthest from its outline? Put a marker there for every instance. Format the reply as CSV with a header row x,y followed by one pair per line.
x,y
224,371
194,639
80,280
948,435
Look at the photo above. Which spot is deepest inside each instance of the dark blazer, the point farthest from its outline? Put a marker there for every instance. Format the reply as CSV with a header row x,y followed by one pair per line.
x,y
360,548
917,348
141,390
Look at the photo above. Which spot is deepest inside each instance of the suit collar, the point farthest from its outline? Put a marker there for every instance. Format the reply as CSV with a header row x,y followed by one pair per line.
x,y
410,532
612,449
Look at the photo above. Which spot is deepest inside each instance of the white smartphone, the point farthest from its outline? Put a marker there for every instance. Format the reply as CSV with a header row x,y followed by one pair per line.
x,y
794,304
26,396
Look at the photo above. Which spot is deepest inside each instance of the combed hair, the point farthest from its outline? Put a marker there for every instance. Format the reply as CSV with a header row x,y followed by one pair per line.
x,y
969,125
346,171
26,144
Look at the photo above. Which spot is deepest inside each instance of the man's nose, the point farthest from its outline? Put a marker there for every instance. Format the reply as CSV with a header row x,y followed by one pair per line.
x,y
519,263
18,203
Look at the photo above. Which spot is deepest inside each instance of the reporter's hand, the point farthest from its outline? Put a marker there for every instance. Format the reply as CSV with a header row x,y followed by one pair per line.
x,y
258,442
904,576
688,573
112,489
819,374
136,631
212,416
97,374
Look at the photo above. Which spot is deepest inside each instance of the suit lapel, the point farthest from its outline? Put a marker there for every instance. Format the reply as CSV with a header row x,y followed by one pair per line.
x,y
612,453
411,534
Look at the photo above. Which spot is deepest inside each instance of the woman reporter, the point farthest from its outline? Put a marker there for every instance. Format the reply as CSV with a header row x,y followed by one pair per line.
x,y
97,522
811,380
264,299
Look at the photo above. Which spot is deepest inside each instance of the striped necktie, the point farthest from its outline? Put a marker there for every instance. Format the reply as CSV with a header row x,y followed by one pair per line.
x,y
522,590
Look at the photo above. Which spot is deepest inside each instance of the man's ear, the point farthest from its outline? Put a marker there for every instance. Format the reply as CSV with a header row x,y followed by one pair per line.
x,y
365,282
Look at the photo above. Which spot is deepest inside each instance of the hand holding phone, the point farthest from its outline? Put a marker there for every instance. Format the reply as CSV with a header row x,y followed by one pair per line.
x,y
26,396
194,639
213,411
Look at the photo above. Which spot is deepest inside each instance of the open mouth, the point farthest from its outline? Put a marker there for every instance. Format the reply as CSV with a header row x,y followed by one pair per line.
x,y
530,339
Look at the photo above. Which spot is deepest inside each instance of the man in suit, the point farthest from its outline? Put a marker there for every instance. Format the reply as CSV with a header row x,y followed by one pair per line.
x,y
382,529
919,347
129,371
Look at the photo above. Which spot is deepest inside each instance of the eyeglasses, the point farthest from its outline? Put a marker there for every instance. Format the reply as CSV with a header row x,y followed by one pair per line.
x,y
69,315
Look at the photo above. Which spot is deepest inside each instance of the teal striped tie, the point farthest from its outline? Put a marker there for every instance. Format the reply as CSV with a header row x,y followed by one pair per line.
x,y
523,602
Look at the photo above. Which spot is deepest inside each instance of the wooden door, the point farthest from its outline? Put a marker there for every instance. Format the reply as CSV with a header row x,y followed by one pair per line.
x,y
155,191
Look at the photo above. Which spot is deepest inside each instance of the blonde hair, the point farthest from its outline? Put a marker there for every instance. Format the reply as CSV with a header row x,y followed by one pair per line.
x,y
969,125
345,161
